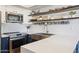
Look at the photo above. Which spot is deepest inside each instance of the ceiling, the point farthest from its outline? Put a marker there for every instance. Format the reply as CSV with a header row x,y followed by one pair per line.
x,y
38,7
27,6
35,7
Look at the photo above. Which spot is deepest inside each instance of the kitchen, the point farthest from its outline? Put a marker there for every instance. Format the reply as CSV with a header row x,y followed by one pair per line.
x,y
39,28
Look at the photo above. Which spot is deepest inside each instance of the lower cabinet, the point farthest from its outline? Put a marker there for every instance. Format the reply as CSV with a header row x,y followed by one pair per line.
x,y
5,46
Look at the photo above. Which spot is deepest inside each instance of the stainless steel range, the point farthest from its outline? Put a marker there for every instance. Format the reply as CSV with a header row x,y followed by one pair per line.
x,y
16,39
15,35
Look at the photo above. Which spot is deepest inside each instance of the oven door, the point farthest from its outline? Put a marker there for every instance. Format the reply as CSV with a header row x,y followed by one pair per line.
x,y
18,42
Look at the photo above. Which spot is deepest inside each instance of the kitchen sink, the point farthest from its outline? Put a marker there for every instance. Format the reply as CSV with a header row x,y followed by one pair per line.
x,y
39,36
44,34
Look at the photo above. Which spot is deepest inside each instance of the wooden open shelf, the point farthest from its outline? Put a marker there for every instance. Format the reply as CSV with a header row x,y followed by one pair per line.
x,y
35,20
57,10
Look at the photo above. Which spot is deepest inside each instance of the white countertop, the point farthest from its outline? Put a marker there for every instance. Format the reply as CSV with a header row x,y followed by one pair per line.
x,y
53,44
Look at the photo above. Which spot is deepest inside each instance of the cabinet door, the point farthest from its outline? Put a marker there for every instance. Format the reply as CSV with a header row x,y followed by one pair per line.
x,y
5,45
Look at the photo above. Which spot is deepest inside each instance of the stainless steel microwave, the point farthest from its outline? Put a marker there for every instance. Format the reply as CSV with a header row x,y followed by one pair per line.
x,y
14,18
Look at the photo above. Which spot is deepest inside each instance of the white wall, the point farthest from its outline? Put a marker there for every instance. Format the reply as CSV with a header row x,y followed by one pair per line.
x,y
50,7
14,27
64,29
14,9
11,27
36,29
63,14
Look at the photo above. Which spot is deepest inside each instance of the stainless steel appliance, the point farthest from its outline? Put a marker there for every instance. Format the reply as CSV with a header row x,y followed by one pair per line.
x,y
14,18
17,39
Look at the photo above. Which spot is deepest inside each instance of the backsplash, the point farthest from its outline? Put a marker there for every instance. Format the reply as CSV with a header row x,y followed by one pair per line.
x,y
65,29
13,27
